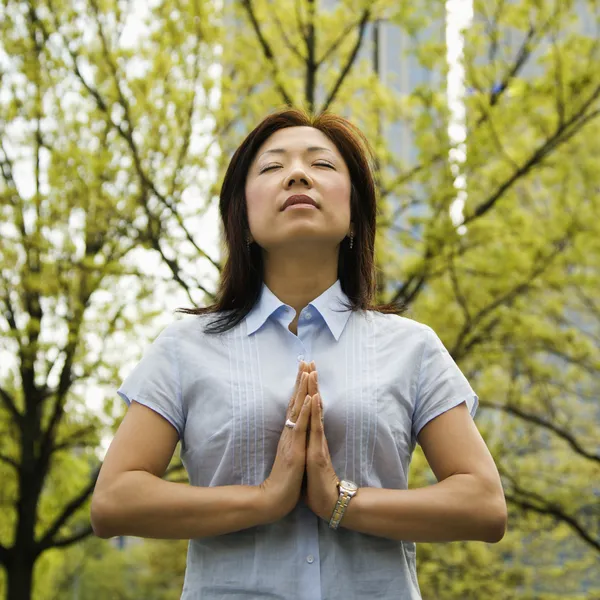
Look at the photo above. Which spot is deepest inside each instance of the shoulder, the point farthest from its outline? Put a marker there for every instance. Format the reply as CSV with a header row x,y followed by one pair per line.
x,y
398,325
186,327
401,338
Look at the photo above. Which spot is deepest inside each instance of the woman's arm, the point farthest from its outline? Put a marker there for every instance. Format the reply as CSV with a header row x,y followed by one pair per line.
x,y
467,503
131,498
458,508
141,504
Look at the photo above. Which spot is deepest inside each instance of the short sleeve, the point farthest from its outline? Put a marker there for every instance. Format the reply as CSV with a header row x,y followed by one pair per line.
x,y
441,386
154,381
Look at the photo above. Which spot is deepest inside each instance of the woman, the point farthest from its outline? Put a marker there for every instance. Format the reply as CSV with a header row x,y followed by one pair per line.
x,y
299,490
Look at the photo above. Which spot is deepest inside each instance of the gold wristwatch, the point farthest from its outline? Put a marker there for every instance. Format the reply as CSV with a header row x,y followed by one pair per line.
x,y
347,491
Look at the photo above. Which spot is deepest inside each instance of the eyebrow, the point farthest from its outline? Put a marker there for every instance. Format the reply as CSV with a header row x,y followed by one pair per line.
x,y
309,149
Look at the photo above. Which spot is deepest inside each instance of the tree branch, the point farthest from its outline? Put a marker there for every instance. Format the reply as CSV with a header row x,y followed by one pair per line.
x,y
411,288
10,461
509,296
188,122
10,404
589,367
562,134
534,502
287,40
75,439
110,329
559,515
15,198
522,55
69,540
363,23
415,170
337,43
587,301
48,540
299,18
460,297
268,53
146,182
408,291
64,384
536,420
559,83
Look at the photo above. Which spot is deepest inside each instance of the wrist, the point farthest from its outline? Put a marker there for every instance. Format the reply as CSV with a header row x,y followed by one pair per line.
x,y
346,491
331,504
270,505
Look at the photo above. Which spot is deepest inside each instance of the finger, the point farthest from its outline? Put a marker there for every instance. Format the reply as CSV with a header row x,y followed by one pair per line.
x,y
292,401
316,425
303,419
300,395
313,383
302,368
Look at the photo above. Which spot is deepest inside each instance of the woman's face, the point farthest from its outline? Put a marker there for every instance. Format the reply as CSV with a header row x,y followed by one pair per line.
x,y
274,176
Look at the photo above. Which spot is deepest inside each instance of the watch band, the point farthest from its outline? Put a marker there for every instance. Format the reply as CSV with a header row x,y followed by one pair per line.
x,y
340,507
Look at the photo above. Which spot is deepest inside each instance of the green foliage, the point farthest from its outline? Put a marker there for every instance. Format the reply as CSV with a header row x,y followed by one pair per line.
x,y
98,569
124,129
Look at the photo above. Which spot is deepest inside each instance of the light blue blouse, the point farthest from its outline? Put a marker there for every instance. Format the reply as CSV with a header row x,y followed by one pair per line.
x,y
381,377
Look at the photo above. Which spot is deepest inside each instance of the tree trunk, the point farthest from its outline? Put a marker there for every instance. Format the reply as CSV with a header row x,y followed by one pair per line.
x,y
19,578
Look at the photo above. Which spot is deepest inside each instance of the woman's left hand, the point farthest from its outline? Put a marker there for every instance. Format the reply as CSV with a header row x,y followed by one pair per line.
x,y
321,486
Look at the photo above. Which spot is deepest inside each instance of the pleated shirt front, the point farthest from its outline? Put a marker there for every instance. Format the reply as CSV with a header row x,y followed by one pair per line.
x,y
381,379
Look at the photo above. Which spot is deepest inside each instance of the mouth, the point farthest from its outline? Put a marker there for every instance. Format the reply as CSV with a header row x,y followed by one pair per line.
x,y
299,200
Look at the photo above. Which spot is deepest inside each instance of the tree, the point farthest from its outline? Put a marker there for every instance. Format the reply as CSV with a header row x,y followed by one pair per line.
x,y
115,151
96,569
80,190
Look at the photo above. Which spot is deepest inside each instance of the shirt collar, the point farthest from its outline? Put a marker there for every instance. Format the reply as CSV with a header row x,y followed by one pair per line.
x,y
328,304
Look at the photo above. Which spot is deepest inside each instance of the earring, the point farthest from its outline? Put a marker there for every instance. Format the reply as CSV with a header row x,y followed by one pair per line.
x,y
351,239
248,243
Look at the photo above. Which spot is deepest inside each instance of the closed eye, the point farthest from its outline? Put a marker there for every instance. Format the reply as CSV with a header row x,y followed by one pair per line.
x,y
322,164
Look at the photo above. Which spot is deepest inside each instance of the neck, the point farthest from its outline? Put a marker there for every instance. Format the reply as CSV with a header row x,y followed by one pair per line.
x,y
300,279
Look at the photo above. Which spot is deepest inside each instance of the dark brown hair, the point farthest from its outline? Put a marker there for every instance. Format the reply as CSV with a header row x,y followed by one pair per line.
x,y
242,276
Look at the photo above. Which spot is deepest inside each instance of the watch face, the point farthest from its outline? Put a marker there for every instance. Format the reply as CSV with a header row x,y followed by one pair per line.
x,y
350,485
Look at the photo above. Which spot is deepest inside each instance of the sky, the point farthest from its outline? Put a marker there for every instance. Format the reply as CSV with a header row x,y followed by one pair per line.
x,y
459,15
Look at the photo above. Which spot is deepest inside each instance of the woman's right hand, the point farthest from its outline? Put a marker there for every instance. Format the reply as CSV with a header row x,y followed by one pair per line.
x,y
282,486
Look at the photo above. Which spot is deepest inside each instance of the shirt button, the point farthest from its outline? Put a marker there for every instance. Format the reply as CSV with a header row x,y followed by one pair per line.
x,y
310,559
308,316
300,357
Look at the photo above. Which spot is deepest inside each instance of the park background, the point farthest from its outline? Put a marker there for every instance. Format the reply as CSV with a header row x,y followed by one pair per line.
x,y
117,121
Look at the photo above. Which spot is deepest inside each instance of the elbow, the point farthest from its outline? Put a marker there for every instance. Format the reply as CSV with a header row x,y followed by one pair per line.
x,y
99,517
498,522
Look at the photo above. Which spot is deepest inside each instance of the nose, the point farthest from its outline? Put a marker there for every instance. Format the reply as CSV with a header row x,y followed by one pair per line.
x,y
298,174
